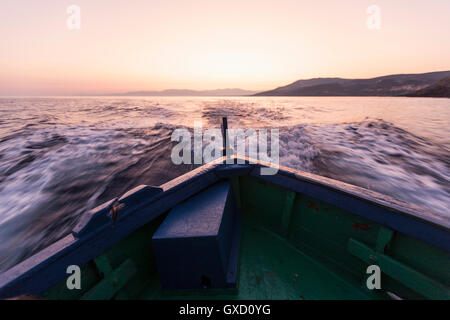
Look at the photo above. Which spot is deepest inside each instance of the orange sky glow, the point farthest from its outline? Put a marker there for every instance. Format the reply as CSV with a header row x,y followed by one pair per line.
x,y
207,44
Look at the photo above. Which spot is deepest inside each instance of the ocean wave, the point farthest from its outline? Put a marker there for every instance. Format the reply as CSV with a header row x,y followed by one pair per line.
x,y
61,157
375,155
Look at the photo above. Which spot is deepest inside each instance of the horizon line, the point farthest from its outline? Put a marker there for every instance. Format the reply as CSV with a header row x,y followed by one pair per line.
x,y
127,93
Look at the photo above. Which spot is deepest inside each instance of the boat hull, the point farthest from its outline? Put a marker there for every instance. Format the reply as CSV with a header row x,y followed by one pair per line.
x,y
303,237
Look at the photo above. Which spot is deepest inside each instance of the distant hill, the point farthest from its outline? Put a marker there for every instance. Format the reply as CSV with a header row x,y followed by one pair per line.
x,y
391,85
182,92
438,89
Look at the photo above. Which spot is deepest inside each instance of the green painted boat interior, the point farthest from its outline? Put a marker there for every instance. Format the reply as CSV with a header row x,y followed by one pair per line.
x,y
291,247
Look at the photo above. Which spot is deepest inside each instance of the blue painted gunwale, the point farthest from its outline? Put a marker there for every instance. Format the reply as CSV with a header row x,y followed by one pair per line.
x,y
418,222
48,267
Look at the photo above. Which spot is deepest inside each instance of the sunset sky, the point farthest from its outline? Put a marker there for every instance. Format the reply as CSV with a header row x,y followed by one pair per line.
x,y
129,45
